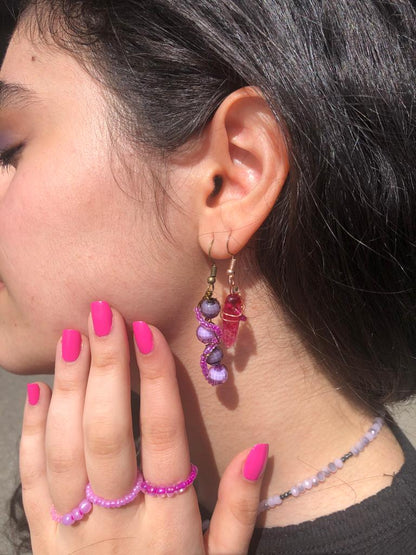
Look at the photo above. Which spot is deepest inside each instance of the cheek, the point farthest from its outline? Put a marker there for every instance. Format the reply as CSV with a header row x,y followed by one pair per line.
x,y
57,242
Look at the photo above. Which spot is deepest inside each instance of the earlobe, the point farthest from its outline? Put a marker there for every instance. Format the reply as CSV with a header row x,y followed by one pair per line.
x,y
249,153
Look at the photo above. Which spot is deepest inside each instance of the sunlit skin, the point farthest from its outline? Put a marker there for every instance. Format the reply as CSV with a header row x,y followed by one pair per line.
x,y
76,227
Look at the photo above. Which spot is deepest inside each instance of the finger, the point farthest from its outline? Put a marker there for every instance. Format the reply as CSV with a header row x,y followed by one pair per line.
x,y
109,445
164,445
235,514
36,498
66,469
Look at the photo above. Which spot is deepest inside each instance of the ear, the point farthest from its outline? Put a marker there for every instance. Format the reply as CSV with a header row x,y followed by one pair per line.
x,y
247,149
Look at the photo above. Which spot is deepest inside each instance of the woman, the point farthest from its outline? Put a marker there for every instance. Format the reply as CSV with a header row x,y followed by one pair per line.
x,y
267,146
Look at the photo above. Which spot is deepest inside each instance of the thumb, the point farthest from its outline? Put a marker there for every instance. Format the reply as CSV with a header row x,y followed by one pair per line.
x,y
235,513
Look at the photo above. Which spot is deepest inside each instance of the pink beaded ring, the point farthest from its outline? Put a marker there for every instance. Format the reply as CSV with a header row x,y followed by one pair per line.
x,y
141,486
115,503
76,514
170,491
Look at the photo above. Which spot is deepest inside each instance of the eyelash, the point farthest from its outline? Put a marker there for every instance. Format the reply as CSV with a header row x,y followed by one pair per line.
x,y
9,157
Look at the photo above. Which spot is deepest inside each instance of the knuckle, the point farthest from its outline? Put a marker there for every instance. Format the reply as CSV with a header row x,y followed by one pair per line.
x,y
104,441
106,359
61,461
244,510
67,386
159,434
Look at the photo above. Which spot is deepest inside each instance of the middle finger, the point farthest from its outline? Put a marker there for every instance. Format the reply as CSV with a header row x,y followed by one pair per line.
x,y
108,432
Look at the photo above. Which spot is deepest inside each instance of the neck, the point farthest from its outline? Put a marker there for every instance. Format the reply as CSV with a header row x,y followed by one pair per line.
x,y
276,394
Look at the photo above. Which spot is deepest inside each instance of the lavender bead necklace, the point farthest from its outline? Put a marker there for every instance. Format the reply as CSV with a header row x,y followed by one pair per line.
x,y
321,476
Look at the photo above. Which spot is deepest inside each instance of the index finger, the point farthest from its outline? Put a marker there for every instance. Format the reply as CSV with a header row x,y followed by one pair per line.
x,y
165,451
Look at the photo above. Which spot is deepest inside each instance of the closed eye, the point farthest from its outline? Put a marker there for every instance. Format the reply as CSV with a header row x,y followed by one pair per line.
x,y
10,156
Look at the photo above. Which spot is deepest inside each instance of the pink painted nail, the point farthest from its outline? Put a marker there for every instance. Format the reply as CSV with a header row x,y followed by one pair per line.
x,y
102,318
144,337
33,393
256,462
71,345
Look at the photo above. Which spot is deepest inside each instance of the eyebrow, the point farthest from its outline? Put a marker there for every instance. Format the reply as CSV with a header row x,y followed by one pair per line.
x,y
15,94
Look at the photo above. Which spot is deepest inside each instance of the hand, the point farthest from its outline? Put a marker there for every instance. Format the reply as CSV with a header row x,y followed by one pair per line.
x,y
82,432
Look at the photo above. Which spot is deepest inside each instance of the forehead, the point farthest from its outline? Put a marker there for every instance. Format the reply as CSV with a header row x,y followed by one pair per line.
x,y
34,70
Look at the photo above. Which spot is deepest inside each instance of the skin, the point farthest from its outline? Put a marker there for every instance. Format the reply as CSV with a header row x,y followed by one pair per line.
x,y
68,225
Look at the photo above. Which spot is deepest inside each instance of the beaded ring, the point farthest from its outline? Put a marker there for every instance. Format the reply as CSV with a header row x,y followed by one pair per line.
x,y
115,503
76,514
170,491
141,486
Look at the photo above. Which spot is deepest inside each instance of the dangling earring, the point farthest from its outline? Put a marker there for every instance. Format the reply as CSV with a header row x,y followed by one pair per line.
x,y
209,333
232,313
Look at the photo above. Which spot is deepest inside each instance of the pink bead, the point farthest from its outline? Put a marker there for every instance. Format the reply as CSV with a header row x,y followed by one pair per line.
x,y
338,463
76,514
232,315
85,506
68,520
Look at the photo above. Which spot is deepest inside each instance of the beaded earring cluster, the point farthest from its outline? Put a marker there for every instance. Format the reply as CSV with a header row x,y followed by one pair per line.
x,y
210,333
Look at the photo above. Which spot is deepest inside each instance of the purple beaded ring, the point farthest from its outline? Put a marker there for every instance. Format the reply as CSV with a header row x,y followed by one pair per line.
x,y
141,486
76,514
115,503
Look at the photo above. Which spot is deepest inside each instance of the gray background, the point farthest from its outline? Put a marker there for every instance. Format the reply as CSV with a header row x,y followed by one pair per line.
x,y
13,391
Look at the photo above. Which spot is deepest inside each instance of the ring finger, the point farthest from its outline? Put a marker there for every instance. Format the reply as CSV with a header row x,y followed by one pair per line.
x,y
165,452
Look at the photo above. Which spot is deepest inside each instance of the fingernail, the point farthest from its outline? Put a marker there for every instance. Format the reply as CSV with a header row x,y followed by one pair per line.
x,y
33,393
256,462
102,318
143,336
71,345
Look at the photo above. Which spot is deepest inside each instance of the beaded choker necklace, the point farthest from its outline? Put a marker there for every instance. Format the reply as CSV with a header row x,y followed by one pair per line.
x,y
322,475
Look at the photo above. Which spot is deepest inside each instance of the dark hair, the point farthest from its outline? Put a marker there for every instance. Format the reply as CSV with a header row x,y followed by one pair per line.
x,y
338,249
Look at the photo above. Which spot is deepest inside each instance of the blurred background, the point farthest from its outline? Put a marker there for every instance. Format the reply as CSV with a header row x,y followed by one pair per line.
x,y
13,388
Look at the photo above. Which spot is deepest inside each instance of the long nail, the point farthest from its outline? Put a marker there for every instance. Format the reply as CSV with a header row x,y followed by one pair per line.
x,y
71,345
102,318
33,393
256,462
143,336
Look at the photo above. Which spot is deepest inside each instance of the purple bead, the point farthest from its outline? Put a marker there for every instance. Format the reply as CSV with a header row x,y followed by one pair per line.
x,y
369,436
326,471
307,483
332,467
274,501
68,519
85,506
215,356
218,374
315,481
321,476
205,335
354,450
210,308
294,491
263,506
76,514
338,463
300,487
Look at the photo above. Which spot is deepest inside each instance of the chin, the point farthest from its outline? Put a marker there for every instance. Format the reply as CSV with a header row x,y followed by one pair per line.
x,y
25,368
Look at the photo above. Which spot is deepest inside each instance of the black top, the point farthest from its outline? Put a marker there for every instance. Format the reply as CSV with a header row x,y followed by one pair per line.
x,y
384,524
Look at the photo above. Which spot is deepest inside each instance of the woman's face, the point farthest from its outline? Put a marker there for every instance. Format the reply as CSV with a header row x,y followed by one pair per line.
x,y
73,227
